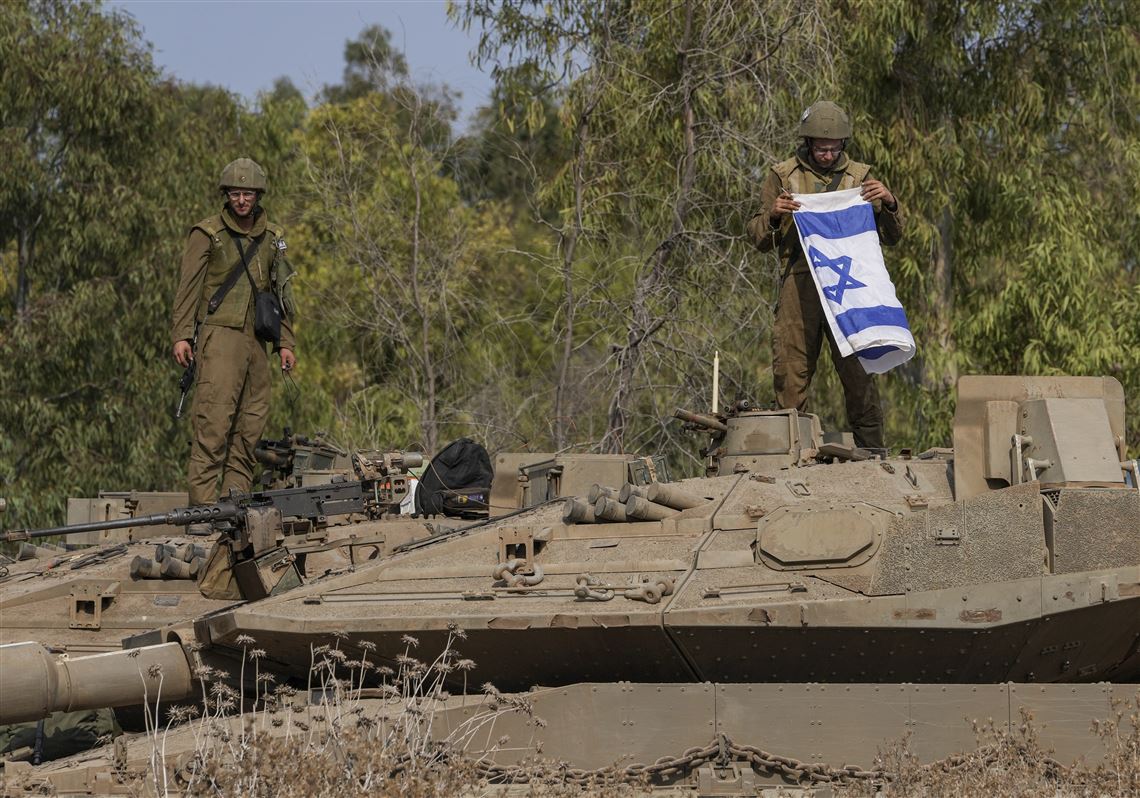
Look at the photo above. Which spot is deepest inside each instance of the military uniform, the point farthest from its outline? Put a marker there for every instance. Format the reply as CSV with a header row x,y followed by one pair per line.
x,y
231,394
800,325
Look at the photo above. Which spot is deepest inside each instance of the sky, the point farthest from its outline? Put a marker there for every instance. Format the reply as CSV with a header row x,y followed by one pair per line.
x,y
303,40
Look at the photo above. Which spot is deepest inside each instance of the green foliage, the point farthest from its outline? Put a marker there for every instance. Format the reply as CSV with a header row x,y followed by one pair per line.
x,y
371,65
1005,129
76,112
109,167
404,285
671,111
563,275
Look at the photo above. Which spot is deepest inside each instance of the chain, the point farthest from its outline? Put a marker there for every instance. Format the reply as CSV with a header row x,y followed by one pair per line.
x,y
722,750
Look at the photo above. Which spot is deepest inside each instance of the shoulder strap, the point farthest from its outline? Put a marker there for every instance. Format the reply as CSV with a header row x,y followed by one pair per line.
x,y
858,171
247,255
243,258
836,180
211,225
785,168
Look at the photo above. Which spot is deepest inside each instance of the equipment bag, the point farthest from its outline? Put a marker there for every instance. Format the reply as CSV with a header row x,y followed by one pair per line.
x,y
216,580
457,482
267,317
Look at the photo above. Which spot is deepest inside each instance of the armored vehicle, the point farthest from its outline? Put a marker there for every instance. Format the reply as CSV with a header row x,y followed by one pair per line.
x,y
803,596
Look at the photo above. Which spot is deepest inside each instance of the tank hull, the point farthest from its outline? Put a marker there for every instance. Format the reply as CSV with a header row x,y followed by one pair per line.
x,y
757,643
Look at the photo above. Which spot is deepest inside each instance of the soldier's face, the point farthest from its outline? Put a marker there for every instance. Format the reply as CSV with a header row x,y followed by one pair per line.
x,y
825,152
241,201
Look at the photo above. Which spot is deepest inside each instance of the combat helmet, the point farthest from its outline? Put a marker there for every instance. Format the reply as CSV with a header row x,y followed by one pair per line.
x,y
825,120
243,173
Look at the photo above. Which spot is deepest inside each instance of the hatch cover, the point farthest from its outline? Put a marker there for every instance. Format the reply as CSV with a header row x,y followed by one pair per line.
x,y
828,536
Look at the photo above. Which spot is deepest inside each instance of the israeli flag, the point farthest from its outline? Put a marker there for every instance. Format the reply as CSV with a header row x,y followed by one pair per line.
x,y
838,233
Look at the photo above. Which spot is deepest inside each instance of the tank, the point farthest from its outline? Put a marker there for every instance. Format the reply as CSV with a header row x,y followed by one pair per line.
x,y
802,602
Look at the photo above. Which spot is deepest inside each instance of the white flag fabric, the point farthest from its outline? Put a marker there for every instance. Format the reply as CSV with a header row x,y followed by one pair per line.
x,y
838,233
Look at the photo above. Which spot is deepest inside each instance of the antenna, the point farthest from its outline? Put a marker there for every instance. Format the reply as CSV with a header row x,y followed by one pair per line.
x,y
716,382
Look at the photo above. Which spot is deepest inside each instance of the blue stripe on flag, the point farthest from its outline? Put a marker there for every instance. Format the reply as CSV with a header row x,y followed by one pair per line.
x,y
875,352
856,319
837,224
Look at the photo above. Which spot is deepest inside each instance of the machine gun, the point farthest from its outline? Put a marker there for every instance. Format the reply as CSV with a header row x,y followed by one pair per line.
x,y
269,529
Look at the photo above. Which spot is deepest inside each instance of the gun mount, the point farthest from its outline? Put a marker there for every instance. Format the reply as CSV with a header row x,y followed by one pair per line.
x,y
294,460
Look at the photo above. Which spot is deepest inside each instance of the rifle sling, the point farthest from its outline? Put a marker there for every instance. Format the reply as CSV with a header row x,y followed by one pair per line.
x,y
835,181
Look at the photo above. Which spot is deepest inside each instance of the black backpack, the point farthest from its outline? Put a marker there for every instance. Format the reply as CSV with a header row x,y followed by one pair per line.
x,y
456,482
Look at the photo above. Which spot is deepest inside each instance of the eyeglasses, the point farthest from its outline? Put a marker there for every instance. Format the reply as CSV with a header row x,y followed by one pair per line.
x,y
826,150
240,195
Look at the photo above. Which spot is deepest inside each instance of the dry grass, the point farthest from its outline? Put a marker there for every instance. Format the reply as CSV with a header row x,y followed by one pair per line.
x,y
343,745
1015,764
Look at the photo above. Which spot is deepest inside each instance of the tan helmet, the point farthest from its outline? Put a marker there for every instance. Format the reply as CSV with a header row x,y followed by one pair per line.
x,y
825,120
243,173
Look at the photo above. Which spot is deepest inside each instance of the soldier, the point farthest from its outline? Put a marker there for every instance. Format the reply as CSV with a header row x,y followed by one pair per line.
x,y
214,326
819,164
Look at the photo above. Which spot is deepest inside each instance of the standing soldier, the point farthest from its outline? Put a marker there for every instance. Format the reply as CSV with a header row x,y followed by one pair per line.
x,y
820,164
227,256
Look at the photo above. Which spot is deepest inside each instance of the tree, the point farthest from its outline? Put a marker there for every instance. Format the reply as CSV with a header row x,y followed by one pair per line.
x,y
400,283
671,109
125,163
371,65
76,113
1010,132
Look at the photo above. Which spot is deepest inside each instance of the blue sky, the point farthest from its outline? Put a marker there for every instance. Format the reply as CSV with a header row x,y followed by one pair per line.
x,y
195,41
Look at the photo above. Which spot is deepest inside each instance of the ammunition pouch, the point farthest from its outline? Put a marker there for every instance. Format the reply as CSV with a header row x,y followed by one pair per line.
x,y
267,574
281,275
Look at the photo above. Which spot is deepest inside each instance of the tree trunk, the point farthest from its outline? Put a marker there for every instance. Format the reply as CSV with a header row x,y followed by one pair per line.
x,y
427,403
942,310
24,258
644,324
570,241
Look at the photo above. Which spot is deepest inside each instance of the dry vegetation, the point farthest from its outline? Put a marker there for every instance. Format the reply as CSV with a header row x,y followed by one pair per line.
x,y
1017,765
344,746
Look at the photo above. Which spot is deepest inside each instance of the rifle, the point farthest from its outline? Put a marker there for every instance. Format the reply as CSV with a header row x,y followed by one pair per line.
x,y
186,382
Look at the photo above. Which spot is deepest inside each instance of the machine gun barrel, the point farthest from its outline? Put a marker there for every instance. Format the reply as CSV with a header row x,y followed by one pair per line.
x,y
222,511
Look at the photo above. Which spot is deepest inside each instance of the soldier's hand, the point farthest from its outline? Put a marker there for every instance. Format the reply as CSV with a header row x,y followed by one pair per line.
x,y
785,203
288,359
183,354
874,190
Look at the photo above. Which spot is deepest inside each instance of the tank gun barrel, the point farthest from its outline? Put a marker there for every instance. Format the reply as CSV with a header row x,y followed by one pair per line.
x,y
222,511
36,683
700,420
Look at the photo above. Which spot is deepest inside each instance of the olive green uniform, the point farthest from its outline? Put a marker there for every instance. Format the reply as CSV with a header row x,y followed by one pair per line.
x,y
231,394
800,325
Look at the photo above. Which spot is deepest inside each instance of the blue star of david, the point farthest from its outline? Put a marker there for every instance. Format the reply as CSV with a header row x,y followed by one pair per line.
x,y
841,265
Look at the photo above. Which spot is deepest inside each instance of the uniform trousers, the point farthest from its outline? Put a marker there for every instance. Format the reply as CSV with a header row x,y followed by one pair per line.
x,y
229,410
797,336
